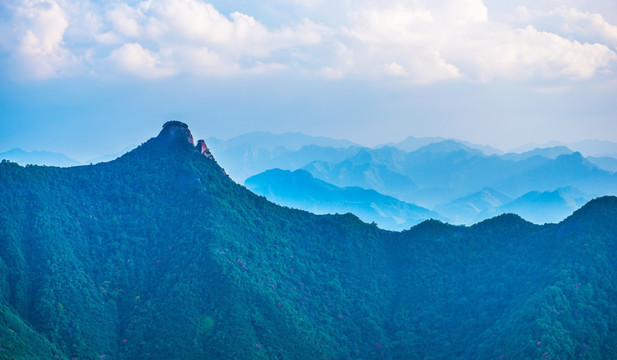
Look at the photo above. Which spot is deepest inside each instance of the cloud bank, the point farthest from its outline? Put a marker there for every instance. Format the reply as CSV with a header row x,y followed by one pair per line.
x,y
419,42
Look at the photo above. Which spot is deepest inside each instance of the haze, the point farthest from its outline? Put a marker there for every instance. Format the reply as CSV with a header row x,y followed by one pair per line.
x,y
87,78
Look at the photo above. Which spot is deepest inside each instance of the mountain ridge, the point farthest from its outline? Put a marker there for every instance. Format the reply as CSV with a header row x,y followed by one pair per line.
x,y
299,189
160,255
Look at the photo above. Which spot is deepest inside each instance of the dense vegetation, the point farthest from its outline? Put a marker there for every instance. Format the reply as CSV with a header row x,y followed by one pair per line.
x,y
159,255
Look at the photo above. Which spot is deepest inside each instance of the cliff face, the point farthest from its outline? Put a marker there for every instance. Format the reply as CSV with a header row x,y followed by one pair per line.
x,y
203,149
175,131
178,132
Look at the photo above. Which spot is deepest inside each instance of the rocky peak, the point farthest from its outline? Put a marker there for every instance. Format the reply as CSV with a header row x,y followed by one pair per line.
x,y
175,131
203,149
178,132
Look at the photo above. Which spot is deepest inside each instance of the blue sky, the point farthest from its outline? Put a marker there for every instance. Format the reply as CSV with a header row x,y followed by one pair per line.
x,y
88,78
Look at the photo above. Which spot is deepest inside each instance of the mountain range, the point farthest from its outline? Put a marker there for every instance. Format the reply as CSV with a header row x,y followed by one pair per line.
x,y
441,172
300,190
160,255
49,158
596,148
535,206
38,158
432,173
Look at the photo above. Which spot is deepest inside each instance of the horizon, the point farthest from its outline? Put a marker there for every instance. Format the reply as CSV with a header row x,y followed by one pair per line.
x,y
525,147
88,79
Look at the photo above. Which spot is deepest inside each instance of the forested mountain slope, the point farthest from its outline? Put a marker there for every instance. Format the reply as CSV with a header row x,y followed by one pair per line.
x,y
159,255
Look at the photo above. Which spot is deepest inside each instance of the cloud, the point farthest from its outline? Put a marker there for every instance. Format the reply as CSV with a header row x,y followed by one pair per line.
x,y
38,46
395,69
421,41
135,59
572,23
204,41
123,20
500,52
407,40
457,40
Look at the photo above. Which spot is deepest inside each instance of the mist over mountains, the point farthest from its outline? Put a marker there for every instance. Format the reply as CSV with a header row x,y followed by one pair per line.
x,y
433,173
38,158
319,197
160,255
441,175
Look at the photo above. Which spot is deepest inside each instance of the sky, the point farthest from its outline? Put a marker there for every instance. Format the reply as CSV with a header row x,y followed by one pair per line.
x,y
88,78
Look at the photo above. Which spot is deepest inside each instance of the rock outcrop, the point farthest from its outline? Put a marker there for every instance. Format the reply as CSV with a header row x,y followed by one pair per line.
x,y
175,131
203,149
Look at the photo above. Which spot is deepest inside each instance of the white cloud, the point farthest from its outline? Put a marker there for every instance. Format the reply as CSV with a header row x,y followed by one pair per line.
x,y
421,41
500,52
135,59
205,41
408,40
457,39
124,20
576,24
395,69
39,31
192,20
463,12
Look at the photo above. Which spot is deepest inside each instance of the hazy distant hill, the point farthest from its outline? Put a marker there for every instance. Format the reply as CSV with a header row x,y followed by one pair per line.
x,y
534,206
605,162
253,153
466,210
38,158
370,169
549,153
159,255
442,172
270,141
300,190
565,170
421,177
412,143
110,157
436,172
544,207
245,161
586,147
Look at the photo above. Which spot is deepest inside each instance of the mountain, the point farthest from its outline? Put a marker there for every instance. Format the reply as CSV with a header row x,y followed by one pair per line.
x,y
597,148
412,143
245,161
160,255
109,157
486,149
368,169
543,207
250,154
269,141
604,162
467,209
535,206
446,146
436,173
425,177
548,152
565,170
300,190
442,172
38,158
